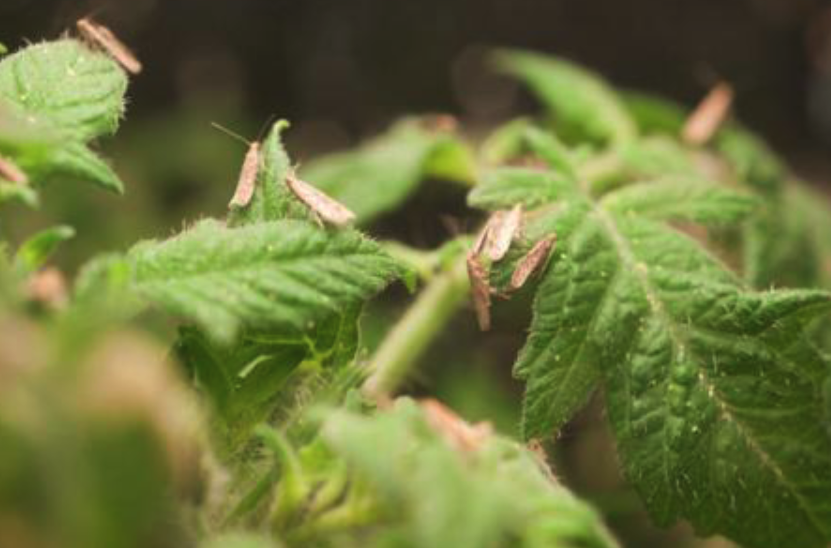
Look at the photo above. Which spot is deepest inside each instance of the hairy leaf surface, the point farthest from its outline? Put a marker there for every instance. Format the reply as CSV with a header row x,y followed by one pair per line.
x,y
68,95
713,390
282,273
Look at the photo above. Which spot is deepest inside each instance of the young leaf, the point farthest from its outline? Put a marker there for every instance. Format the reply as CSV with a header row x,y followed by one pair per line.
x,y
35,251
383,173
426,493
654,115
73,90
712,389
580,100
75,161
285,274
68,95
260,376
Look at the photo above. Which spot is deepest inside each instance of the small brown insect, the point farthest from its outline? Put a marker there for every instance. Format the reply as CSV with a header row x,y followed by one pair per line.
x,y
460,434
532,261
12,173
708,116
48,287
247,181
480,290
504,227
106,40
325,207
481,239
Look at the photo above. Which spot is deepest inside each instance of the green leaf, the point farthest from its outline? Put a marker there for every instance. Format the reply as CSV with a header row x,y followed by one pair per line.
x,y
713,390
654,115
272,200
414,490
69,87
35,251
282,274
582,103
56,97
383,173
752,160
75,162
20,193
260,376
504,187
506,141
682,199
3,49
786,244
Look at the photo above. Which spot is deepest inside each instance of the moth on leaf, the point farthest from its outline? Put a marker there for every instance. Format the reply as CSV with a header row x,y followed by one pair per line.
x,y
323,206
708,116
105,39
532,262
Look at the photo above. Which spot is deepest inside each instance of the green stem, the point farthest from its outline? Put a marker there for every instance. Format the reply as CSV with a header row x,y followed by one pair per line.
x,y
413,333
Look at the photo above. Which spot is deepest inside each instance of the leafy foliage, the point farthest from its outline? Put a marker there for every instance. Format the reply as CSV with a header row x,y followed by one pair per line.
x,y
713,389
415,490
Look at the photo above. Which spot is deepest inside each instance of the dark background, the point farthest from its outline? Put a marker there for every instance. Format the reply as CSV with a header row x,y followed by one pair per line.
x,y
343,68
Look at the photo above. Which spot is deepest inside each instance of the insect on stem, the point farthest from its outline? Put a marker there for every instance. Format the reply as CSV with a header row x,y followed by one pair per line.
x,y
708,116
104,38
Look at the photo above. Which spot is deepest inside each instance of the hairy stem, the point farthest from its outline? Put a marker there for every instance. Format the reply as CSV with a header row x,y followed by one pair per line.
x,y
413,333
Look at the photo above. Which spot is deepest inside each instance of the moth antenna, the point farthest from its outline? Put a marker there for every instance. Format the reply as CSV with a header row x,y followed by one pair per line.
x,y
230,133
266,126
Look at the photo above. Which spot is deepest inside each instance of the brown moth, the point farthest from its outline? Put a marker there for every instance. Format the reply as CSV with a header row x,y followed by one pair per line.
x,y
480,290
708,116
10,172
481,239
248,177
48,287
323,206
504,227
532,261
106,40
458,433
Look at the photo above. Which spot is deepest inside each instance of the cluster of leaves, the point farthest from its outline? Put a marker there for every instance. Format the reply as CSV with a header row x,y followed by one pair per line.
x,y
716,387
